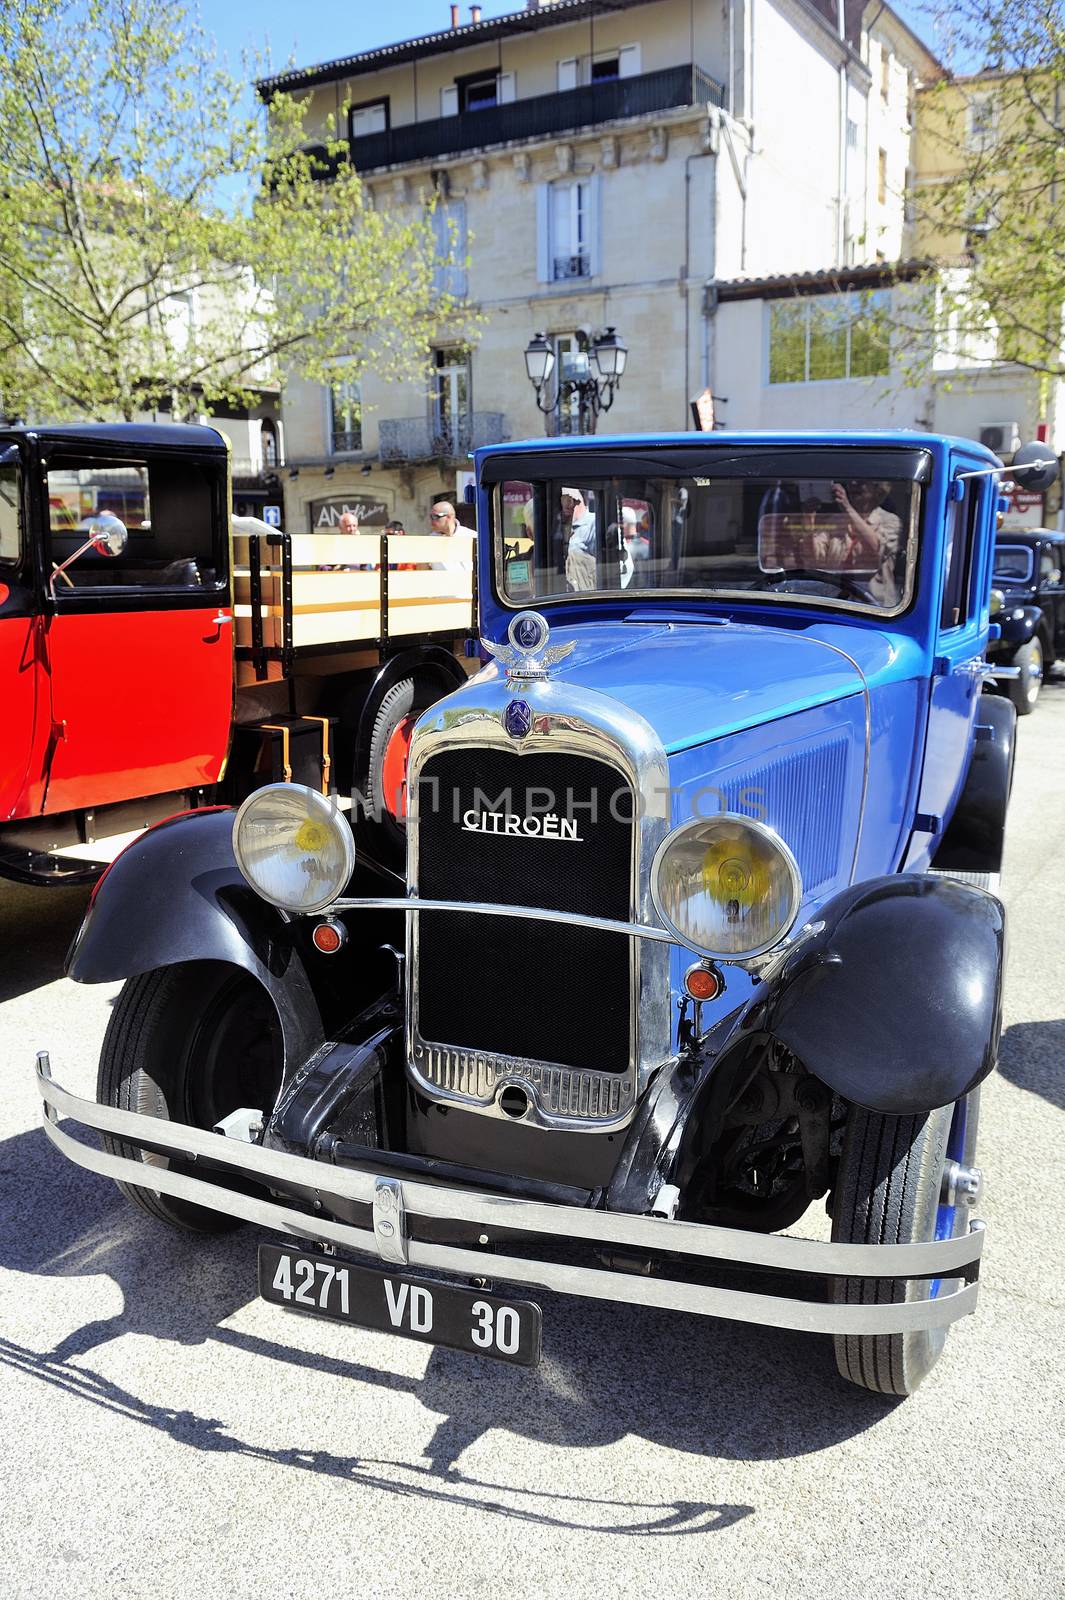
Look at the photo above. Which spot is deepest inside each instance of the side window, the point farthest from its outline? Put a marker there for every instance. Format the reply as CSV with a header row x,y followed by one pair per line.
x,y
169,510
961,527
10,519
1049,568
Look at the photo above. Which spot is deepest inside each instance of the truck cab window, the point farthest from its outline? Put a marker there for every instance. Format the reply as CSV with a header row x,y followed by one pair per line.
x,y
166,507
9,514
960,527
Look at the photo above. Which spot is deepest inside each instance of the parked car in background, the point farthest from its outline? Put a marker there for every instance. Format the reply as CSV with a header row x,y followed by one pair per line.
x,y
1028,604
698,927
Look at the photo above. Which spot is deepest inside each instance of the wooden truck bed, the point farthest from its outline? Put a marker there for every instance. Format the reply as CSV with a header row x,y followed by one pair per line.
x,y
287,607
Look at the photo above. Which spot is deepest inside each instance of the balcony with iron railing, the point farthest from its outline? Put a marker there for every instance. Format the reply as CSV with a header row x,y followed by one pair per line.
x,y
539,117
439,439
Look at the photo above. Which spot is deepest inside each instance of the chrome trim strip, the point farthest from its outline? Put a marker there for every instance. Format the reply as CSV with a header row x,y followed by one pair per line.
x,y
705,1240
638,930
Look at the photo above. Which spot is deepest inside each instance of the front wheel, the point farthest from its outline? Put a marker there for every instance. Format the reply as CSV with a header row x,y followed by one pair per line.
x,y
1024,691
893,1188
188,1043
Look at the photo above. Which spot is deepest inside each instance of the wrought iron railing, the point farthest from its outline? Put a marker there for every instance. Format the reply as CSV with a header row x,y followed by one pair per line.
x,y
439,439
538,117
345,439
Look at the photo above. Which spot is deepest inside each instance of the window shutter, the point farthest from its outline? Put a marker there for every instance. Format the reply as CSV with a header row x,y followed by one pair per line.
x,y
595,225
506,87
543,233
449,101
567,74
629,61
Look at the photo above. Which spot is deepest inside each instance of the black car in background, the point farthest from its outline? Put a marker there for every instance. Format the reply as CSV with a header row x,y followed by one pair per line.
x,y
1028,603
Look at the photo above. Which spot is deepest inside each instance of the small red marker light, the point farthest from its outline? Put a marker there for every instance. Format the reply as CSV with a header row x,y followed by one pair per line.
x,y
328,937
703,983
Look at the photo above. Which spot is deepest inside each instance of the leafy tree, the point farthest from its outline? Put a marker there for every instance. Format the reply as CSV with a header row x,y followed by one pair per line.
x,y
989,206
157,240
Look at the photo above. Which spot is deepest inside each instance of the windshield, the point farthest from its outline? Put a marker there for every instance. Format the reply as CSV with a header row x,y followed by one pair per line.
x,y
838,540
1013,563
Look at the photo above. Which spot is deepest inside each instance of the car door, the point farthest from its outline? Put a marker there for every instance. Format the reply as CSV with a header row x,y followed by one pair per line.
x,y
961,638
24,693
139,644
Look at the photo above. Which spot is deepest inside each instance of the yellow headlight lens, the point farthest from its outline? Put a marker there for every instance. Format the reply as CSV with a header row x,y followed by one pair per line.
x,y
727,886
294,847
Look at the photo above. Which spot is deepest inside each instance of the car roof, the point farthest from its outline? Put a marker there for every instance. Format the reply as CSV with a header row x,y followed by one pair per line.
x,y
1030,536
186,435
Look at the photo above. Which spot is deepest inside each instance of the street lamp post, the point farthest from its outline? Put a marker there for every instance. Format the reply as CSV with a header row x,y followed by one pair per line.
x,y
592,373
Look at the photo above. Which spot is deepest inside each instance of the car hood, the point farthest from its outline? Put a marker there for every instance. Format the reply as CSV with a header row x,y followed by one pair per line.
x,y
697,681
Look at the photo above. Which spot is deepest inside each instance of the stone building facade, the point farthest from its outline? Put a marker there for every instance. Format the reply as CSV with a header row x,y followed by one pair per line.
x,y
601,166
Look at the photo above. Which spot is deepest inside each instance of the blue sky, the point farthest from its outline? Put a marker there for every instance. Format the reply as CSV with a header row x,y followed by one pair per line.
x,y
323,30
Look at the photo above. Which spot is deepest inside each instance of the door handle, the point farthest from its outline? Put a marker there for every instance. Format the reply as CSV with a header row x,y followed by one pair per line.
x,y
220,618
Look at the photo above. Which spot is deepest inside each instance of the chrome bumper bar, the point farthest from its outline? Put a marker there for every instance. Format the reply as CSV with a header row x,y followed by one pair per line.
x,y
392,1201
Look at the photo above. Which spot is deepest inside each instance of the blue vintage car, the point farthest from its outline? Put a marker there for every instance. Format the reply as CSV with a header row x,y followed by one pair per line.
x,y
698,927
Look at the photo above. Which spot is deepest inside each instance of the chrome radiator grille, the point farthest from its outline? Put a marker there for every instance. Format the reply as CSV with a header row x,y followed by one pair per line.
x,y
552,996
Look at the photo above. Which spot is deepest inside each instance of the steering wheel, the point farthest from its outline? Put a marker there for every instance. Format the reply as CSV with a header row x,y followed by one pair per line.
x,y
846,587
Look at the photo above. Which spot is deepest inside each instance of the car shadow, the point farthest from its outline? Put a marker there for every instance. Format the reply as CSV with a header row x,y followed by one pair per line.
x,y
36,929
713,1389
1032,1056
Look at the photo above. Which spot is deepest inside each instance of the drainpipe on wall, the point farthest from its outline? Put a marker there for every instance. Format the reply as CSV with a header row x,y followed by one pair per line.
x,y
841,176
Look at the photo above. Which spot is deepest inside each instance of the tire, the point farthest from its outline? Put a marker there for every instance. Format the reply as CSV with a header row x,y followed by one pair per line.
x,y
395,717
888,1191
188,1043
1024,691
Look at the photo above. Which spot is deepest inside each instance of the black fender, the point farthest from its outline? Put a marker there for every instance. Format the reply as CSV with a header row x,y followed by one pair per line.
x,y
1017,627
974,837
430,660
176,894
893,999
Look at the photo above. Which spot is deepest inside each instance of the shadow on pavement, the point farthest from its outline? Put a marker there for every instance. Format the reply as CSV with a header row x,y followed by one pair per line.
x,y
713,1389
1032,1055
36,928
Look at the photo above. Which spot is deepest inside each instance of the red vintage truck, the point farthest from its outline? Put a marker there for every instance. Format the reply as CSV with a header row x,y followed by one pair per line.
x,y
158,656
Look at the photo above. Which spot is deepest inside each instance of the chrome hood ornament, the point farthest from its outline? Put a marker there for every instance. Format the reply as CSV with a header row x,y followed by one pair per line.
x,y
527,657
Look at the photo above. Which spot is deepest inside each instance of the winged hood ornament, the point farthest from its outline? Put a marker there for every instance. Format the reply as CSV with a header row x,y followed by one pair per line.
x,y
528,655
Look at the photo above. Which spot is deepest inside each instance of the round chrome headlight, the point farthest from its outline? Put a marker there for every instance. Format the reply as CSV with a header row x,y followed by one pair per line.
x,y
727,886
293,846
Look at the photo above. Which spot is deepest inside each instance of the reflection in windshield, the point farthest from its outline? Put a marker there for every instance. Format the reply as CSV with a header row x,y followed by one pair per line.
x,y
844,539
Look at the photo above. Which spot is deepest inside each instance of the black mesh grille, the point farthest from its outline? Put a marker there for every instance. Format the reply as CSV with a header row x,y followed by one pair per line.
x,y
519,987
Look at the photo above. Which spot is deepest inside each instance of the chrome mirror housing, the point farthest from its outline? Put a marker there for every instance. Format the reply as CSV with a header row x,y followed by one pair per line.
x,y
108,534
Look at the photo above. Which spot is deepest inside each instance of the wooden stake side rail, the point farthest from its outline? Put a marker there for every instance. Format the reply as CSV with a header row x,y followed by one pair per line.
x,y
305,591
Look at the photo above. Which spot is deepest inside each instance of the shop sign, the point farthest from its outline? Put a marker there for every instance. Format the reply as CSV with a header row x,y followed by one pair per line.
x,y
1026,509
372,510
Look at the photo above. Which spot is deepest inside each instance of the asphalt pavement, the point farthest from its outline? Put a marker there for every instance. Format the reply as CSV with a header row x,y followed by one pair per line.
x,y
168,1434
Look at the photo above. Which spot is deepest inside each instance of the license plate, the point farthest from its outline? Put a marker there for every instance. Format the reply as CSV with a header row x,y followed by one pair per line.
x,y
434,1313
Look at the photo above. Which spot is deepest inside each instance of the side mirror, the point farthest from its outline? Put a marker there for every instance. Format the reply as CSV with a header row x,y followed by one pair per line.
x,y
107,536
1034,467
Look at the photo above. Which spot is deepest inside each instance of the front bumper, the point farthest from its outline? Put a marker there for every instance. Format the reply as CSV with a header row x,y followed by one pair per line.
x,y
393,1202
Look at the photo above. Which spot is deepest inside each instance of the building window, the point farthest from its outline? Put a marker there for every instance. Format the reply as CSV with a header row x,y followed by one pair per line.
x,y
822,338
885,72
268,445
451,394
345,416
568,230
480,94
852,134
449,228
372,118
981,121
881,176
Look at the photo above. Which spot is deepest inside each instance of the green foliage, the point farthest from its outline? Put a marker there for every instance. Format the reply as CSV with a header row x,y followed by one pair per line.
x,y
128,270
991,205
